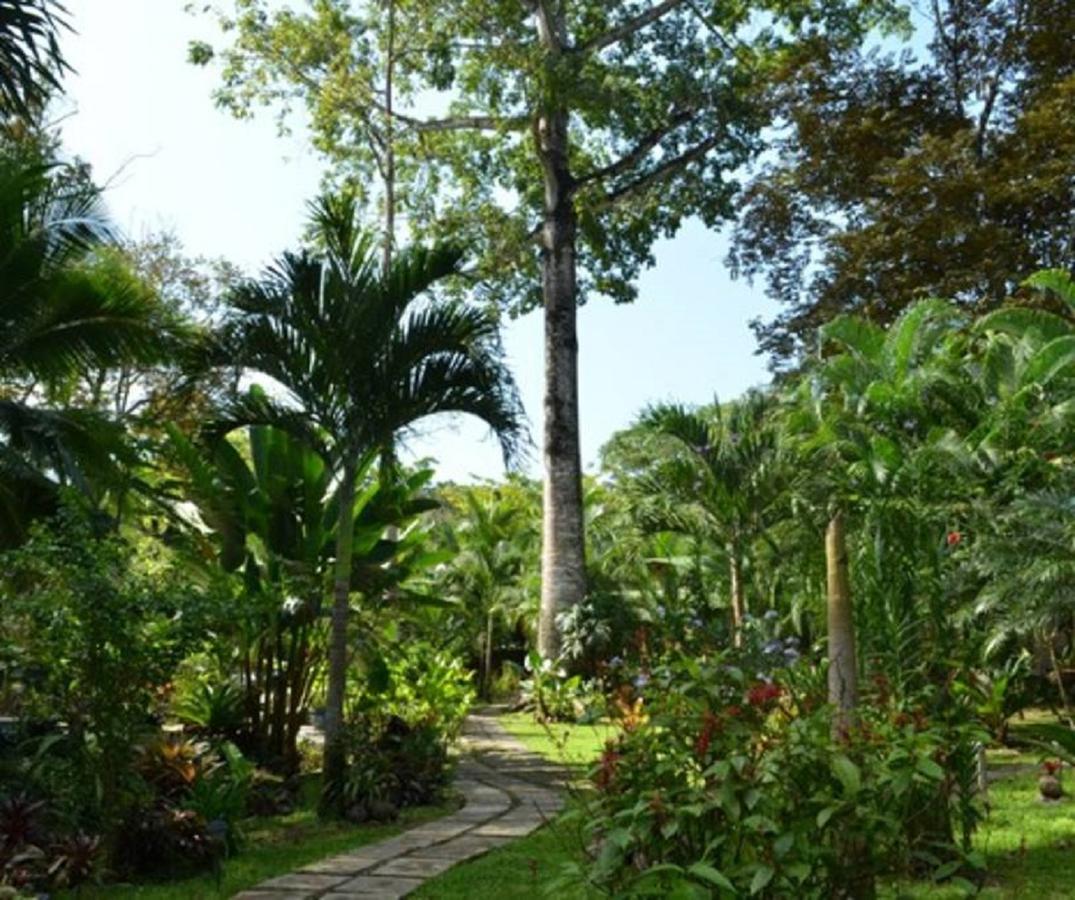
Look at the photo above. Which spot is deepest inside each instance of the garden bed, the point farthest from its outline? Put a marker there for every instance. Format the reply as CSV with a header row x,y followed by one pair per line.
x,y
274,846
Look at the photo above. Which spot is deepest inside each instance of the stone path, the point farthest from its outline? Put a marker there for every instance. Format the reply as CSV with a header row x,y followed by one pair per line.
x,y
509,792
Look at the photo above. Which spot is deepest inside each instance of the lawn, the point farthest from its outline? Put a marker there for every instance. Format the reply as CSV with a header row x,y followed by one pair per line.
x,y
274,846
574,746
1029,845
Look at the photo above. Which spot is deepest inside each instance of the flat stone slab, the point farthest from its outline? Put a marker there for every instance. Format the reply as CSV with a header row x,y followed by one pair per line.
x,y
303,881
508,828
375,886
259,894
464,847
416,866
349,864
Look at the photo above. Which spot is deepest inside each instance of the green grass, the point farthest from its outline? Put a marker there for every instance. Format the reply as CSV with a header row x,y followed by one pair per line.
x,y
1029,846
574,746
273,846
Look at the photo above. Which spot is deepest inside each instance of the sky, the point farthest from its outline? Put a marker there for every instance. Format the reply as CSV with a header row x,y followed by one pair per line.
x,y
144,118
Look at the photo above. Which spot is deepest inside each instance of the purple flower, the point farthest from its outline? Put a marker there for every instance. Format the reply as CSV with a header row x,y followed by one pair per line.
x,y
641,680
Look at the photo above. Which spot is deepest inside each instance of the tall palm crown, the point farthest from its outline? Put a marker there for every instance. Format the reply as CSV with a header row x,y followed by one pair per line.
x,y
59,316
30,57
361,352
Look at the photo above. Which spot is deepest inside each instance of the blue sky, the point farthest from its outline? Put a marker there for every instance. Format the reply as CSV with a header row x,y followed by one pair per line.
x,y
145,120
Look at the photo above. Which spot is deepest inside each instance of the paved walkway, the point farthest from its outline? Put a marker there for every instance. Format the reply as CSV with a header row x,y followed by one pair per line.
x,y
509,792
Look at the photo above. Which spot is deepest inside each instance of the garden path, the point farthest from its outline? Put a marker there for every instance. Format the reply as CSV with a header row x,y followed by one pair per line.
x,y
509,792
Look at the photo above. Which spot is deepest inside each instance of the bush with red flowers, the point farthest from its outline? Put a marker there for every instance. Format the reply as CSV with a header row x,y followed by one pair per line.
x,y
735,784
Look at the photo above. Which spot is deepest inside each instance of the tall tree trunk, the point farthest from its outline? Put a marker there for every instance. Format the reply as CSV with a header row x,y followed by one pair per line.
x,y
738,601
843,673
563,572
334,764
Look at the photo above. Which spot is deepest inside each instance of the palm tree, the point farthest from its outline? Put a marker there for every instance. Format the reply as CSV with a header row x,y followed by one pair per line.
x,y
30,58
723,483
58,318
492,543
858,424
361,355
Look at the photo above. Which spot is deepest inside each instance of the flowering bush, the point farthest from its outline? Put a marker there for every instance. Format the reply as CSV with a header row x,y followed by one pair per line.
x,y
734,783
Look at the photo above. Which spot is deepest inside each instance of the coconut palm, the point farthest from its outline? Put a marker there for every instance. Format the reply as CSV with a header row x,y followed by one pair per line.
x,y
360,355
58,317
30,58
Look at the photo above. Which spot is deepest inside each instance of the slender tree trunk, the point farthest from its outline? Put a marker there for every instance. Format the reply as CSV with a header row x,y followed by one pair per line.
x,y
389,141
563,572
738,601
1058,672
487,681
335,754
843,674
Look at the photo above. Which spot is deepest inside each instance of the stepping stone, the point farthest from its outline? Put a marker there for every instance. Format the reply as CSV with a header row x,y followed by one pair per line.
x,y
481,813
508,828
349,864
374,886
259,894
443,829
303,881
464,847
416,866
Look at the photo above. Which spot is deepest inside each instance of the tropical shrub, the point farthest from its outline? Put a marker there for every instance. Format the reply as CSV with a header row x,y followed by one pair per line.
x,y
736,784
553,695
400,723
100,631
416,683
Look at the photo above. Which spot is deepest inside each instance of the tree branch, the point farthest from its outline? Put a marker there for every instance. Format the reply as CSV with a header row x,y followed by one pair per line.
x,y
462,123
629,27
639,151
664,170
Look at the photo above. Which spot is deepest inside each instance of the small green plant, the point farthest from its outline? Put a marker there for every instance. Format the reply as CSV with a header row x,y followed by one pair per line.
x,y
213,708
553,695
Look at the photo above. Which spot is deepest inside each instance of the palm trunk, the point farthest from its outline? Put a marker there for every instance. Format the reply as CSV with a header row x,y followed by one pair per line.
x,y
843,674
335,754
738,600
563,572
487,667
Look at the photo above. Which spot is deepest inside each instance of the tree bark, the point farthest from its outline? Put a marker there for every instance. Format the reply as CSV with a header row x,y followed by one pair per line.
x,y
563,572
334,765
843,673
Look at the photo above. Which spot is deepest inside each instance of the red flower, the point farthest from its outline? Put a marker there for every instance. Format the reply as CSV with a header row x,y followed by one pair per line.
x,y
606,774
710,723
733,711
954,537
1052,766
763,693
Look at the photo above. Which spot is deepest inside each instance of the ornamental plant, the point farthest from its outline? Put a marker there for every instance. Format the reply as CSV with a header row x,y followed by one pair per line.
x,y
734,785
